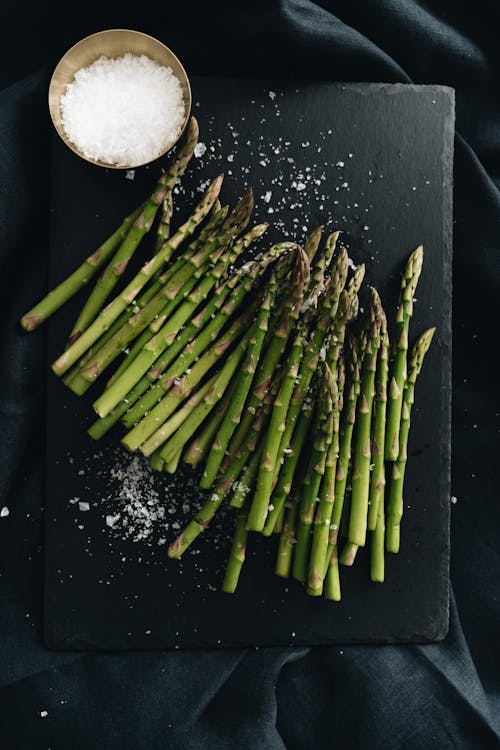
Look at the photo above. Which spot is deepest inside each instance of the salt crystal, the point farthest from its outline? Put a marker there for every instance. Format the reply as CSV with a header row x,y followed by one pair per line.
x,y
267,196
300,186
43,714
130,174
123,111
230,157
4,512
111,520
83,506
272,94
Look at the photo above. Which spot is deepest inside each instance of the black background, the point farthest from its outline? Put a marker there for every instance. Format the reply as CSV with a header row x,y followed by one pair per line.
x,y
436,696
392,193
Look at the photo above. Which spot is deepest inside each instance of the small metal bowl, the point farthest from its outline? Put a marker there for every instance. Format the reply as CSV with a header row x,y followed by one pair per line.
x,y
112,43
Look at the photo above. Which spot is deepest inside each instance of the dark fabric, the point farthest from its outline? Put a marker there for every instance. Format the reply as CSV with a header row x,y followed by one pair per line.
x,y
438,696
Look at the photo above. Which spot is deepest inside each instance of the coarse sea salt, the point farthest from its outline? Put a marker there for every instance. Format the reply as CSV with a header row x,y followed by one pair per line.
x,y
124,111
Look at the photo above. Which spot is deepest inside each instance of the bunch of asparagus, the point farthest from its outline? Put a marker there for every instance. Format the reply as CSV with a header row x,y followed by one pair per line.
x,y
261,373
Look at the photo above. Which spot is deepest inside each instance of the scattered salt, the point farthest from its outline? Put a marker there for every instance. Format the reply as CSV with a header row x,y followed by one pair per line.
x,y
199,150
124,111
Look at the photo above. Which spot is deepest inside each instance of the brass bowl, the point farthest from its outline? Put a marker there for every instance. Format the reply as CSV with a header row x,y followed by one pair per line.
x,y
112,43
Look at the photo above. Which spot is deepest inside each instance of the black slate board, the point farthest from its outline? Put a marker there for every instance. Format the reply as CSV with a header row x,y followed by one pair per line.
x,y
376,161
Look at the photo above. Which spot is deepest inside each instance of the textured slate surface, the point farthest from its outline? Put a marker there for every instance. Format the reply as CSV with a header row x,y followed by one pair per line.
x,y
383,174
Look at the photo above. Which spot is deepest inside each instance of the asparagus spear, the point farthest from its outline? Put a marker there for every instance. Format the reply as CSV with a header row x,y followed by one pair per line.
x,y
323,515
287,471
237,554
179,386
70,286
155,346
246,481
323,431
362,451
245,380
74,379
287,539
272,456
332,579
141,226
110,313
312,243
280,329
163,230
409,282
199,448
228,475
354,358
377,479
257,514
395,504
175,422
349,553
171,295
199,414
183,344
280,409
377,561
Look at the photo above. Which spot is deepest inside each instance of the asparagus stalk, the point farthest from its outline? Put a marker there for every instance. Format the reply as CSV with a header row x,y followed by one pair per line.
x,y
312,243
278,420
323,431
287,539
199,448
246,481
348,418
362,452
395,505
181,347
245,379
175,422
287,471
171,295
197,336
332,579
74,379
279,334
163,230
141,226
258,512
110,313
409,282
155,346
237,554
73,283
377,479
227,477
272,457
323,515
377,560
349,553
179,386
212,398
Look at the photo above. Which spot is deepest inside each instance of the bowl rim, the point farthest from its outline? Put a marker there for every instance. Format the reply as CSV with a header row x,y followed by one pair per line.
x,y
187,100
